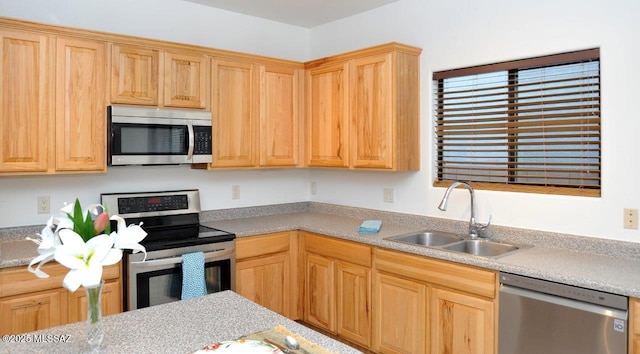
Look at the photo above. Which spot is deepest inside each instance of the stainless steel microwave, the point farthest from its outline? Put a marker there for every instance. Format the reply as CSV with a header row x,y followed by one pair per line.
x,y
157,136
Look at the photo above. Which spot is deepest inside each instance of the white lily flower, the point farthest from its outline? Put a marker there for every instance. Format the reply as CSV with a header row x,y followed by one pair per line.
x,y
128,237
84,259
46,248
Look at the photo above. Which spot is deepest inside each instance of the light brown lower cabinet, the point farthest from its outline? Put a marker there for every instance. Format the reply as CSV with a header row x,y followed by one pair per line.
x,y
337,287
28,303
266,271
634,324
424,305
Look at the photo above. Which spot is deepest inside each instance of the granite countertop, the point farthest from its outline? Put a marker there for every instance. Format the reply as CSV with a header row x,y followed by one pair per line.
x,y
177,327
581,261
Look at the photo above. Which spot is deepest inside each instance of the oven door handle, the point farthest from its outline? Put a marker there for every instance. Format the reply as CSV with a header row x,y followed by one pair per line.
x,y
176,260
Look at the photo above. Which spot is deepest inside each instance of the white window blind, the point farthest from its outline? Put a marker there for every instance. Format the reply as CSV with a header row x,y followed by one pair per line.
x,y
530,125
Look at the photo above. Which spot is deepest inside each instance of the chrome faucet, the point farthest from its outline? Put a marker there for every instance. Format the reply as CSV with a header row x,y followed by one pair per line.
x,y
474,227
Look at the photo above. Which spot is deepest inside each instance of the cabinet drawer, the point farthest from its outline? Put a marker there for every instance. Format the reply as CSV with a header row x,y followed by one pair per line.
x,y
455,276
337,249
18,280
253,246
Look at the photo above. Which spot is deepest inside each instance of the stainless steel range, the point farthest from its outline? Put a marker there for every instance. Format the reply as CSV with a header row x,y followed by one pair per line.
x,y
171,220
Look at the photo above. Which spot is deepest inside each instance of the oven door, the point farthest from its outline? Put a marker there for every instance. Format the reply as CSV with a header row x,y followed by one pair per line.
x,y
159,281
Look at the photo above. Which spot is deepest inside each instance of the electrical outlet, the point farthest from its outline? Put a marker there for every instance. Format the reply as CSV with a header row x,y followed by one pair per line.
x,y
314,188
387,195
43,204
630,218
235,192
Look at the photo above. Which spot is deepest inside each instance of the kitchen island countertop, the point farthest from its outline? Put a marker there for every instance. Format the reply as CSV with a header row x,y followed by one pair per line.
x,y
177,327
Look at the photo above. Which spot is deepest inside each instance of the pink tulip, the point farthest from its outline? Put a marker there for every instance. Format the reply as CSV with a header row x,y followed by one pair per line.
x,y
101,222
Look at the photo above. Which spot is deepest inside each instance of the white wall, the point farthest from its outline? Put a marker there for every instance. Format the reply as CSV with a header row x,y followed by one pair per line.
x,y
460,33
453,33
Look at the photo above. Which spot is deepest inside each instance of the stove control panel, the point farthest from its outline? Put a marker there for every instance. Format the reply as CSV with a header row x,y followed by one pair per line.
x,y
151,204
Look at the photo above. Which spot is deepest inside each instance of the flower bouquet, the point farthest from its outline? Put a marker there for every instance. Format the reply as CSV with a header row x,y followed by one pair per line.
x,y
82,241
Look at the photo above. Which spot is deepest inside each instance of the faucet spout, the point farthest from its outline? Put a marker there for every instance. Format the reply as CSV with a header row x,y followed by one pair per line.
x,y
473,226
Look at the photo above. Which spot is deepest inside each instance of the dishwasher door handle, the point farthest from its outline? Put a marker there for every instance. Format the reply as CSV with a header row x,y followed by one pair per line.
x,y
578,305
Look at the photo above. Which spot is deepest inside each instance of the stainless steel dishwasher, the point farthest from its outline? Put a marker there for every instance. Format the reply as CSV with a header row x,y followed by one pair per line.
x,y
538,316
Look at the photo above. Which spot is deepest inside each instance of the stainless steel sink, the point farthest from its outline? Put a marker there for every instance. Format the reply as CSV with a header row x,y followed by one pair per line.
x,y
452,242
427,238
484,248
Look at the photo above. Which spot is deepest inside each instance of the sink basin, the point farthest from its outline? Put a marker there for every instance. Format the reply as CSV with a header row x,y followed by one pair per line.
x,y
427,238
484,248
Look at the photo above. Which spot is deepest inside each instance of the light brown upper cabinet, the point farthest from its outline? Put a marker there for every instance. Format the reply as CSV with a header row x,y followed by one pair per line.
x,y
134,75
26,104
280,93
185,80
235,106
80,105
363,109
255,119
328,115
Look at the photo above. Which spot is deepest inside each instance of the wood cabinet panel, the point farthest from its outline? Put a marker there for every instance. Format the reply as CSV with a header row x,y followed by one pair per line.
x,y
351,252
353,301
134,75
381,107
279,115
327,107
235,112
461,323
32,312
25,101
400,319
110,303
456,276
634,324
185,80
320,299
266,281
80,105
371,112
28,303
259,245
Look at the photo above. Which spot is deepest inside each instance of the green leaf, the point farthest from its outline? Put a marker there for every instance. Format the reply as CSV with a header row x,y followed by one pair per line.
x,y
81,226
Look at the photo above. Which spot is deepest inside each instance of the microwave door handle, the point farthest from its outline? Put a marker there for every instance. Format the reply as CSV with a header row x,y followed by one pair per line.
x,y
191,140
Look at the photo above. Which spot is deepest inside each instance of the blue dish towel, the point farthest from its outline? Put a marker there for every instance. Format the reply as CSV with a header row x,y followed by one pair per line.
x,y
193,283
370,226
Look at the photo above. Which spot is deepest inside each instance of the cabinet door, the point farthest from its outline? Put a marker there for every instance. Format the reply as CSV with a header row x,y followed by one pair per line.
x,y
400,315
319,301
266,281
353,298
32,312
25,101
634,324
185,80
461,323
234,106
327,116
134,75
80,105
372,112
110,303
279,129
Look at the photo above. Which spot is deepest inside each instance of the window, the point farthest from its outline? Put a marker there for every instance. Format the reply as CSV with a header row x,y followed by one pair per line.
x,y
530,125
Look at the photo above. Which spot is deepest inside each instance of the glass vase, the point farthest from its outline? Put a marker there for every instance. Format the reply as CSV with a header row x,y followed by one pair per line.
x,y
95,331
